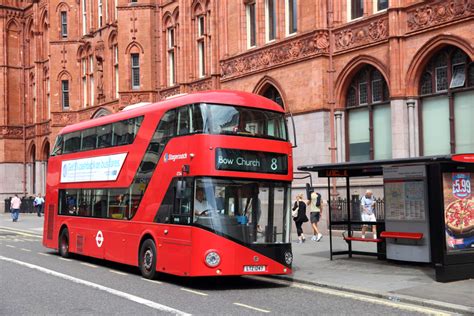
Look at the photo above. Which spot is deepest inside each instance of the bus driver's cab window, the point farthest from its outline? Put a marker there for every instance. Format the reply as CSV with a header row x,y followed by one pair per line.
x,y
200,203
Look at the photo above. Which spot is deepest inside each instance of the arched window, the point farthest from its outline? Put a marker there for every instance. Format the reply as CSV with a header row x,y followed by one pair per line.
x,y
368,117
135,67
200,20
447,90
91,79
272,93
170,36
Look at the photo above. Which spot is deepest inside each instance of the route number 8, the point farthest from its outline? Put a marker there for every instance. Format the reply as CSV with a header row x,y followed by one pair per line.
x,y
274,165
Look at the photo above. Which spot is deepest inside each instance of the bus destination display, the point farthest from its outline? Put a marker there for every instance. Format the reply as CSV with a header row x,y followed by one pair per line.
x,y
251,161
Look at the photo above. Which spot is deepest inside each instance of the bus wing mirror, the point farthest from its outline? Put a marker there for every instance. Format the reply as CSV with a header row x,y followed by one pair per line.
x,y
180,189
294,143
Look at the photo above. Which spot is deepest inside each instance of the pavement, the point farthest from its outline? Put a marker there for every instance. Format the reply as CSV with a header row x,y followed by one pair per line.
x,y
404,283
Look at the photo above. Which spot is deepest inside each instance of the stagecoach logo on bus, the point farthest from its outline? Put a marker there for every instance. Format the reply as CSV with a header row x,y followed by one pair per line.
x,y
173,157
102,168
461,185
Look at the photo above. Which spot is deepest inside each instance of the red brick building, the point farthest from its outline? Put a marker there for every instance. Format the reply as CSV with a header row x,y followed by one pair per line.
x,y
365,79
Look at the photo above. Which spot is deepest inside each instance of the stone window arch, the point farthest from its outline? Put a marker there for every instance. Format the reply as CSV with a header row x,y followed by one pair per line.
x,y
201,32
368,119
170,42
446,90
114,52
272,93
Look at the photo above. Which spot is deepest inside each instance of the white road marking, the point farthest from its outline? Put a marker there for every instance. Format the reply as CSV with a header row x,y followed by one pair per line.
x,y
251,307
356,296
152,281
65,259
117,272
89,265
43,254
194,292
10,246
99,287
24,249
20,232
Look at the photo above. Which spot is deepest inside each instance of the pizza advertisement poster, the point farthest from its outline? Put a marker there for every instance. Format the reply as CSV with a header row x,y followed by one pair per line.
x,y
458,211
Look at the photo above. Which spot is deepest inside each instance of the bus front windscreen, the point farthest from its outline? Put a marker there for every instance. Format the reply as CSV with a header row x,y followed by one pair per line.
x,y
248,211
232,120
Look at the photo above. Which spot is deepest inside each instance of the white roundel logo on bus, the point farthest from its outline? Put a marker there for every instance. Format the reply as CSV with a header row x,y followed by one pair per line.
x,y
99,239
166,157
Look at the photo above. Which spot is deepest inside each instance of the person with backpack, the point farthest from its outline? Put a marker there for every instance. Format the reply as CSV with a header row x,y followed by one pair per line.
x,y
315,215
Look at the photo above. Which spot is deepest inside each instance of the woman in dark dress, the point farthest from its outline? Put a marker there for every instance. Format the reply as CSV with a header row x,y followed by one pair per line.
x,y
300,217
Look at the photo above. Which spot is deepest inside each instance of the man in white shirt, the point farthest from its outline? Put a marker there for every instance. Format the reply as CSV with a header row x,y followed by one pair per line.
x,y
200,204
368,215
38,202
15,205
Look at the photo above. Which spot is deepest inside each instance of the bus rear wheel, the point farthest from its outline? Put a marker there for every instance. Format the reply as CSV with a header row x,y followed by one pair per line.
x,y
63,246
148,259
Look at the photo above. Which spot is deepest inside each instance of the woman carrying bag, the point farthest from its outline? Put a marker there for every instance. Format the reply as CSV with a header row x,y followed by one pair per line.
x,y
299,216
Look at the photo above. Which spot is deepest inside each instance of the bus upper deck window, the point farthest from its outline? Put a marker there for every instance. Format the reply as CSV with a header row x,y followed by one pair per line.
x,y
72,142
184,120
89,139
58,146
104,136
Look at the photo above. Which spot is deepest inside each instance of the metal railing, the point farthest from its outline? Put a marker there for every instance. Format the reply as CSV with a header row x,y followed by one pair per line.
x,y
339,211
26,205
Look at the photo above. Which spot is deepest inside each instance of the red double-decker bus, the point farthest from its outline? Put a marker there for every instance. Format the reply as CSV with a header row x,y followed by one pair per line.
x,y
197,185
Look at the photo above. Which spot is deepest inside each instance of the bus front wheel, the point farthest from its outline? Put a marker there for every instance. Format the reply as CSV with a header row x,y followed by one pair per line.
x,y
148,259
64,243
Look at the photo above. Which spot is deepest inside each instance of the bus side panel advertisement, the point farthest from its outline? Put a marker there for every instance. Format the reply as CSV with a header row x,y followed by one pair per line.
x,y
251,161
102,168
458,211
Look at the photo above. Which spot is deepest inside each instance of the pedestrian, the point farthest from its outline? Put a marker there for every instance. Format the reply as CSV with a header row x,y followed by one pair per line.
x,y
15,204
39,203
315,215
299,216
368,215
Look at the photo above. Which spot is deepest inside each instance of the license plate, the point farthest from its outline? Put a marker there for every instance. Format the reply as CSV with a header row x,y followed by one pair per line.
x,y
255,268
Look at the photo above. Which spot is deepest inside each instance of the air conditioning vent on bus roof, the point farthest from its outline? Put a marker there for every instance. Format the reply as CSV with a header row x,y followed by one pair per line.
x,y
135,105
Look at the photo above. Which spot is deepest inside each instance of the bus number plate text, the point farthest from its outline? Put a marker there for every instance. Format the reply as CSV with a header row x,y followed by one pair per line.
x,y
255,268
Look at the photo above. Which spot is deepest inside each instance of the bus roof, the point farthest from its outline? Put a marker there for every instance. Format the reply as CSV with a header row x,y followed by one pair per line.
x,y
229,97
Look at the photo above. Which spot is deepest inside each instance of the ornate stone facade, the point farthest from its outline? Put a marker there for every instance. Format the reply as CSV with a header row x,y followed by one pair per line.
x,y
360,34
289,51
438,12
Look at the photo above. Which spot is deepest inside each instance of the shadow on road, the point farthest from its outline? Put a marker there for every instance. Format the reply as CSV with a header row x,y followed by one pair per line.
x,y
220,283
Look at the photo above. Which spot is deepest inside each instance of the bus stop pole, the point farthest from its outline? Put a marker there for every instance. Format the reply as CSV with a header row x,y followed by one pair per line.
x,y
349,228
330,218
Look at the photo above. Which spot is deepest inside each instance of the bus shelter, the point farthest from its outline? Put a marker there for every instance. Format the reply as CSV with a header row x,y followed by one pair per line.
x,y
428,211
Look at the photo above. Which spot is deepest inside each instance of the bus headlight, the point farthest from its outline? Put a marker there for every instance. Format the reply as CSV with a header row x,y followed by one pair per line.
x,y
288,257
213,259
